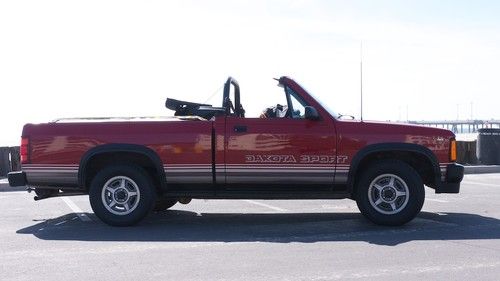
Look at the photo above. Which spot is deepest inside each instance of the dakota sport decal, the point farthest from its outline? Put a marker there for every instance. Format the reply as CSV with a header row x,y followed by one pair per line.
x,y
303,159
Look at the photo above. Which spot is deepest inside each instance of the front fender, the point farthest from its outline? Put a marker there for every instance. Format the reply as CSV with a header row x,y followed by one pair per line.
x,y
373,149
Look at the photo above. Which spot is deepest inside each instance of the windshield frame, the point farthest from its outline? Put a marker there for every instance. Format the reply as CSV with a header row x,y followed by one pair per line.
x,y
325,105
318,100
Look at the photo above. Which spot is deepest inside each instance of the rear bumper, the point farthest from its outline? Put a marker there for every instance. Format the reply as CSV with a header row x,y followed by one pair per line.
x,y
454,175
17,178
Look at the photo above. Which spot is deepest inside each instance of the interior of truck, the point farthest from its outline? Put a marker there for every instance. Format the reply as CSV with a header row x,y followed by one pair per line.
x,y
293,106
208,111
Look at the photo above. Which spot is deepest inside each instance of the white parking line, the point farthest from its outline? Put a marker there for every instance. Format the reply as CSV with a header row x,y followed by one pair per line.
x,y
75,209
59,223
266,205
481,183
437,200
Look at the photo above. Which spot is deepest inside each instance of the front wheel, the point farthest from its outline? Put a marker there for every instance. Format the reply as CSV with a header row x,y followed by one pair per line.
x,y
121,195
390,192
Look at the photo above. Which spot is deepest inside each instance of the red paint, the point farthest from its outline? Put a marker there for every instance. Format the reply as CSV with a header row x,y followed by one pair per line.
x,y
189,142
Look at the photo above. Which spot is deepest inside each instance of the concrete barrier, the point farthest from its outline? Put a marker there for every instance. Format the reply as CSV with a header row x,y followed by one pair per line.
x,y
15,159
488,146
9,160
481,170
466,152
5,187
4,161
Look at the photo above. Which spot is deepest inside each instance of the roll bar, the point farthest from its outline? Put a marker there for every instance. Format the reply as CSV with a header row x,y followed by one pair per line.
x,y
226,100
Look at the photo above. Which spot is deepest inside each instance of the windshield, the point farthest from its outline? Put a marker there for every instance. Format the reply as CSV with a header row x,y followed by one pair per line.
x,y
321,101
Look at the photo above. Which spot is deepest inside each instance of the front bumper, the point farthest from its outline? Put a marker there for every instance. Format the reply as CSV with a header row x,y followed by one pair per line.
x,y
17,178
451,183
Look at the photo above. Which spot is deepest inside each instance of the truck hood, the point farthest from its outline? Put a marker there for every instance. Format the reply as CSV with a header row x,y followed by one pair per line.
x,y
385,131
354,135
402,127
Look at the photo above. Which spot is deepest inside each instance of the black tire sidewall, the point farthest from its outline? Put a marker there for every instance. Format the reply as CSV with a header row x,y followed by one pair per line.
x,y
408,175
144,183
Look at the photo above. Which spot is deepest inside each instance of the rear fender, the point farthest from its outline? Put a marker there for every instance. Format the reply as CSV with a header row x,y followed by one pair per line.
x,y
150,154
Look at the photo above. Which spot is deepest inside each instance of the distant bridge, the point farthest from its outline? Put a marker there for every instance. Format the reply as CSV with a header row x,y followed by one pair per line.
x,y
460,126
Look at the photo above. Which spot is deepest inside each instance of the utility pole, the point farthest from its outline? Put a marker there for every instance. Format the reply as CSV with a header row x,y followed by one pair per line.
x,y
361,76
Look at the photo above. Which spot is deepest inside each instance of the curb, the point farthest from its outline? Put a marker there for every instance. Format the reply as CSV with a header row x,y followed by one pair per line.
x,y
481,169
4,186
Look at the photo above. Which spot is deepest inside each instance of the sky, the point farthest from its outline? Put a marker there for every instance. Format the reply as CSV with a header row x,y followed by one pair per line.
x,y
422,60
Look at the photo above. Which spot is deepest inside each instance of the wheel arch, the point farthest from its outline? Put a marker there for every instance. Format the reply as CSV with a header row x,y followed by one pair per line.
x,y
120,152
419,157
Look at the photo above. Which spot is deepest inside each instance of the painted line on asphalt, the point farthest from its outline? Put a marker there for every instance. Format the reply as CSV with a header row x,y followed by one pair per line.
x,y
335,207
437,200
59,223
481,183
482,176
266,205
404,272
75,209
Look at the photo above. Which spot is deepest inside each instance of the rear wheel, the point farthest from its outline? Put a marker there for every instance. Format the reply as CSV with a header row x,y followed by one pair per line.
x,y
390,192
122,195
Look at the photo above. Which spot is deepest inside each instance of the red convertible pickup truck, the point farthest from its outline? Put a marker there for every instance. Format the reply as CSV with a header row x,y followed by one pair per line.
x,y
299,149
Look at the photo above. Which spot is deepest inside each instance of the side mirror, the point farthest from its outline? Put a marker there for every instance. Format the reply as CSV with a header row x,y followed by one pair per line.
x,y
311,113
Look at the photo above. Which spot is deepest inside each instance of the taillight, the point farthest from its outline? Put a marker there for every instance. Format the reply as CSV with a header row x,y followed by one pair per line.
x,y
453,150
24,150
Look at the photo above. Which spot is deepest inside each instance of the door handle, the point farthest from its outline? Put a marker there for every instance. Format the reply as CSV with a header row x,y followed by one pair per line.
x,y
240,129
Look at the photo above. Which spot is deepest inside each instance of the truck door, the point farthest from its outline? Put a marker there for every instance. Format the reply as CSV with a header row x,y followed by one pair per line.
x,y
284,150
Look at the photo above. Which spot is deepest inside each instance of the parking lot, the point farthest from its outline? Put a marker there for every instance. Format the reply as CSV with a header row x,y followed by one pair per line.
x,y
456,237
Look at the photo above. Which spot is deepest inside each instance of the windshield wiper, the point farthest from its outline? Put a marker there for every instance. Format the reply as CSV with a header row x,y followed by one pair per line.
x,y
345,115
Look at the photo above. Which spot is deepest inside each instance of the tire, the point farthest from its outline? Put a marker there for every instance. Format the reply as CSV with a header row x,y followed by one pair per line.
x,y
164,204
390,192
122,195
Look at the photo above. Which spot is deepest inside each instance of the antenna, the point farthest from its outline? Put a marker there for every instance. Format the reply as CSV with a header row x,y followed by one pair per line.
x,y
361,76
471,118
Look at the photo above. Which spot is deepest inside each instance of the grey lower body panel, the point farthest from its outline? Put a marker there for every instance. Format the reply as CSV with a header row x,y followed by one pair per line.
x,y
51,175
66,175
252,174
59,178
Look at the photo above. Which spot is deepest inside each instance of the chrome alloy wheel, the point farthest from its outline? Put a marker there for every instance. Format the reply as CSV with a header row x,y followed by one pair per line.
x,y
120,195
388,194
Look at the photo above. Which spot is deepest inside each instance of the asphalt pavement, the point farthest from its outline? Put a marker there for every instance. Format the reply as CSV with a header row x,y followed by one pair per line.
x,y
456,237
